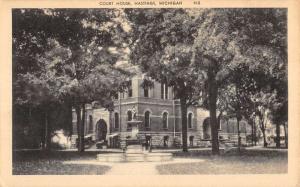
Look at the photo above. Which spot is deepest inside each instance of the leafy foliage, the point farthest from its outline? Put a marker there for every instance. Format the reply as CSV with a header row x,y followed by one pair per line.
x,y
162,47
67,56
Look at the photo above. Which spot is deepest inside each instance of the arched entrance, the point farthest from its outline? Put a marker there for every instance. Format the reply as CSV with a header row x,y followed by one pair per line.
x,y
206,129
101,129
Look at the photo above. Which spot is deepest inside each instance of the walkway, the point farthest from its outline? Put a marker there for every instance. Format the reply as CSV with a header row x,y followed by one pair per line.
x,y
148,168
133,168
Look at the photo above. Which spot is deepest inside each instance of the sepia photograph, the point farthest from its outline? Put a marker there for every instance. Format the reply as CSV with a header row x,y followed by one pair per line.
x,y
159,91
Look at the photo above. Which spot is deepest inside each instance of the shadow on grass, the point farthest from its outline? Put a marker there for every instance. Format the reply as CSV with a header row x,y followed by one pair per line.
x,y
232,162
52,163
234,152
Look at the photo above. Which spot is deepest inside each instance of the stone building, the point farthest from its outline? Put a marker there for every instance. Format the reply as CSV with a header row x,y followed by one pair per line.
x,y
159,113
155,107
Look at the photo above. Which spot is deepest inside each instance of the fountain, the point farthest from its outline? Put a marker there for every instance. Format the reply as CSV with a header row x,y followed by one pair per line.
x,y
133,144
133,150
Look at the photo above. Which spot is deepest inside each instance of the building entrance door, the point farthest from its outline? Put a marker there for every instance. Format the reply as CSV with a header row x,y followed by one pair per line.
x,y
101,130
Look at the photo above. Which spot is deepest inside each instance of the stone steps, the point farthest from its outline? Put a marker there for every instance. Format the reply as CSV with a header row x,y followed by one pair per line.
x,y
135,157
134,149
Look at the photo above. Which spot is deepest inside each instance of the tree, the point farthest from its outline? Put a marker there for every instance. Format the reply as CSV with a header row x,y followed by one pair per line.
x,y
219,41
279,116
32,93
229,37
212,57
77,49
269,57
100,82
162,40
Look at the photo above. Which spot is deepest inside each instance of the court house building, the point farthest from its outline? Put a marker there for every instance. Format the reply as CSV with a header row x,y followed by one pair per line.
x,y
159,114
154,106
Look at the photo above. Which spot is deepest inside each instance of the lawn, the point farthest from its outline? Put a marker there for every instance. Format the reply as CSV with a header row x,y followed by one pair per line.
x,y
248,162
52,163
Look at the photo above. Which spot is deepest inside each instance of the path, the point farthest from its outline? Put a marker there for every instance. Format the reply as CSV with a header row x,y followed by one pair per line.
x,y
133,168
144,168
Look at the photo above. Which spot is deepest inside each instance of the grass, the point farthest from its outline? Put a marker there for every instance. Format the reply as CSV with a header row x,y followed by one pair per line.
x,y
52,163
252,161
247,162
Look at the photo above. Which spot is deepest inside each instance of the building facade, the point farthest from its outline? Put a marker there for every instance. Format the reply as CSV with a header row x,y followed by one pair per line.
x,y
154,106
160,117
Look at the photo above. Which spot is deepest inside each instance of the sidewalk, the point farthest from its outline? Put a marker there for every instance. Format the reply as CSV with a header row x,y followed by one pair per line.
x,y
134,168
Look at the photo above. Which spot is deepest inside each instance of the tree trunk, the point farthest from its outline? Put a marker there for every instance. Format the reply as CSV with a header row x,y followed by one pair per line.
x,y
45,146
286,134
212,96
239,136
227,124
265,140
82,128
70,117
183,106
49,133
78,116
263,130
255,133
277,136
252,133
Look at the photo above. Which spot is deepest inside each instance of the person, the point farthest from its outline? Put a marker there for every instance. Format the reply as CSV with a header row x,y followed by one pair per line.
x,y
191,141
147,143
166,140
134,113
150,145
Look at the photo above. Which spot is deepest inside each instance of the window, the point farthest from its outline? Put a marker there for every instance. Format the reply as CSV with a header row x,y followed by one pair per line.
x,y
90,123
130,89
146,92
191,141
164,91
147,119
129,118
165,120
190,117
129,115
122,95
115,96
116,120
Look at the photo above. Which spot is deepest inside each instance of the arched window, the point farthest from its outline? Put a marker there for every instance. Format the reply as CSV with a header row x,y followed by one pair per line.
x,y
165,120
147,119
116,120
190,117
129,115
